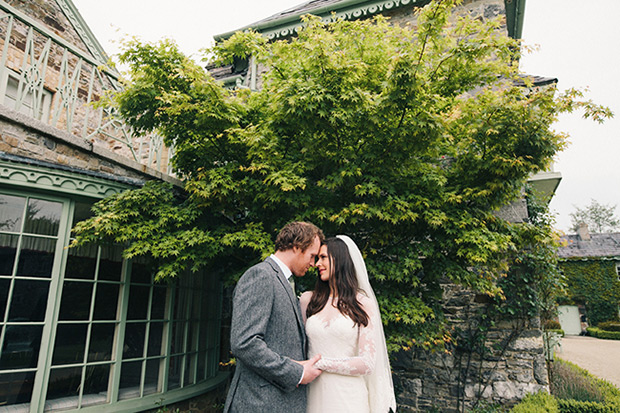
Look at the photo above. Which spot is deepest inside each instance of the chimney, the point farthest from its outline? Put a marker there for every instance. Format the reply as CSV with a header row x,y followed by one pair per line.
x,y
583,232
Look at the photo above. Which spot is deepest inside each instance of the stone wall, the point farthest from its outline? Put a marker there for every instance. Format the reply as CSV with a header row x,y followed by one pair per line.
x,y
24,137
510,365
51,15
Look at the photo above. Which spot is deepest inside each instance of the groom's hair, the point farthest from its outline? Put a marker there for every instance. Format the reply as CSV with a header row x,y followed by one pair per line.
x,y
298,234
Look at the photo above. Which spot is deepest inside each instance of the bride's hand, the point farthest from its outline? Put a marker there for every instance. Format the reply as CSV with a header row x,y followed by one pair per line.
x,y
310,372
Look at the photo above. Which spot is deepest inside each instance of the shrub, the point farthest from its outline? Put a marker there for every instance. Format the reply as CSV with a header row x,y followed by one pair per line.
x,y
559,331
537,403
576,406
569,381
609,326
552,325
598,333
572,384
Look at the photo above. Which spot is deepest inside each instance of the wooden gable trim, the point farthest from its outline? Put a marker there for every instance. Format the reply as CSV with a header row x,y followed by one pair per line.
x,y
346,9
355,9
80,26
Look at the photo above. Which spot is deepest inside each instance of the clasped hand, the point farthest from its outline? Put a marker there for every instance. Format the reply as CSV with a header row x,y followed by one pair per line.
x,y
310,372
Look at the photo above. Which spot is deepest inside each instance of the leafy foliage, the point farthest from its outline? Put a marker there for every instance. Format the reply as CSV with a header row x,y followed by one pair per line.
x,y
540,402
594,283
407,140
599,218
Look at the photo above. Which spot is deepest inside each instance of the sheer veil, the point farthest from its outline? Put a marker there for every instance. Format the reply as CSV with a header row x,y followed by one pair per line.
x,y
380,386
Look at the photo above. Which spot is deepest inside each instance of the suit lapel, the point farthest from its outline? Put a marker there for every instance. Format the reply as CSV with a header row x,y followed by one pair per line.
x,y
289,291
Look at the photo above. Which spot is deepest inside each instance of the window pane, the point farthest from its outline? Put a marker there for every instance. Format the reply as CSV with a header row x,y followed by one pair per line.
x,y
75,301
4,293
151,379
155,339
11,213
138,302
96,385
202,364
81,211
141,272
16,388
21,347
178,336
130,380
8,248
192,331
43,217
174,373
29,300
180,304
190,363
81,262
110,264
101,339
106,302
36,257
203,335
70,344
134,340
158,306
64,383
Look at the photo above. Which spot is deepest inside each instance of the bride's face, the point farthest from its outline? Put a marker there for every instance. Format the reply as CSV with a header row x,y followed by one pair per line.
x,y
323,264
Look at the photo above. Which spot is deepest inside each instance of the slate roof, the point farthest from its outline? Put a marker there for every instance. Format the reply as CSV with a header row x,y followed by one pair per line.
x,y
599,246
537,80
300,9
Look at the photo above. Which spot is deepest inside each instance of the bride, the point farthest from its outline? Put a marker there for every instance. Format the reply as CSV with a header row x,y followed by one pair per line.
x,y
343,325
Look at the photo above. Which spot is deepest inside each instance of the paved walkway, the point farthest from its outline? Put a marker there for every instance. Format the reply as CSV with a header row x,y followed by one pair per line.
x,y
599,357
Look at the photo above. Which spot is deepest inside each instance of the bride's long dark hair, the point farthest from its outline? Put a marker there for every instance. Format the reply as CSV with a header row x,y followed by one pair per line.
x,y
342,283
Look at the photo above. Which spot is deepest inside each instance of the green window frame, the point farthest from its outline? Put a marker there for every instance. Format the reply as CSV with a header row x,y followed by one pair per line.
x,y
111,339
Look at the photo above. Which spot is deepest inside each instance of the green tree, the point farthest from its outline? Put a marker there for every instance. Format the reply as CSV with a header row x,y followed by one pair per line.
x,y
407,140
598,217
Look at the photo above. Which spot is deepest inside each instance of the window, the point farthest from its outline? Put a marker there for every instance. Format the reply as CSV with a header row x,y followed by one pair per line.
x,y
83,327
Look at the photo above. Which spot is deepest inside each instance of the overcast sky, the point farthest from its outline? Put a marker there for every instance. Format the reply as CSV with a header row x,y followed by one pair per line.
x,y
579,43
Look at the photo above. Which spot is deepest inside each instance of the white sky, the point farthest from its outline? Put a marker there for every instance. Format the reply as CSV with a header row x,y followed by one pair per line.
x,y
579,43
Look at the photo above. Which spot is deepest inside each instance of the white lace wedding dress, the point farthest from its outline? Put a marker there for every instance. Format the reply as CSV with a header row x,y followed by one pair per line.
x,y
348,353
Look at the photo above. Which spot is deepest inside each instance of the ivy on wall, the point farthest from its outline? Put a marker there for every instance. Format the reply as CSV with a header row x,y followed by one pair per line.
x,y
594,283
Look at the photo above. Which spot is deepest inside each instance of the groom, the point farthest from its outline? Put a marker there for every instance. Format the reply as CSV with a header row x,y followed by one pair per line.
x,y
267,331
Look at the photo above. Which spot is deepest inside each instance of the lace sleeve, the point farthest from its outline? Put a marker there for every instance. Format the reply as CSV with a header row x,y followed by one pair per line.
x,y
364,362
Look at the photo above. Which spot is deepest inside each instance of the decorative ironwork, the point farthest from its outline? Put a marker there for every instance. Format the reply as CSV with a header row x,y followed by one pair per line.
x,y
58,84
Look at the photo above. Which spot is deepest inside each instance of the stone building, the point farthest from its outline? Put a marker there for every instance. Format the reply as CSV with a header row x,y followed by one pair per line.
x,y
591,265
515,364
83,329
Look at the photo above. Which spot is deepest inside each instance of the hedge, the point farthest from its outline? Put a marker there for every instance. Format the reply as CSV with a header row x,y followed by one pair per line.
x,y
577,406
598,333
609,326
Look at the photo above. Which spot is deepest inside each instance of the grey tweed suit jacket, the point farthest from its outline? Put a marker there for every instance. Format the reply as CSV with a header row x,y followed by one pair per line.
x,y
267,333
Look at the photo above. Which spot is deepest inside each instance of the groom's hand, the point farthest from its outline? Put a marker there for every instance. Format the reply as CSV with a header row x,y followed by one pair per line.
x,y
310,372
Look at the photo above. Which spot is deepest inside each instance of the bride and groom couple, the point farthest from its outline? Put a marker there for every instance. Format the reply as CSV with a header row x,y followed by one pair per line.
x,y
323,352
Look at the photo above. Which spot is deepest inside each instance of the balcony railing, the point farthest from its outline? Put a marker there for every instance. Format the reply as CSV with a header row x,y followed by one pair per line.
x,y
49,78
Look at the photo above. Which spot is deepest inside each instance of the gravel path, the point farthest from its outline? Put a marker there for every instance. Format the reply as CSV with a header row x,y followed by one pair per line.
x,y
599,357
